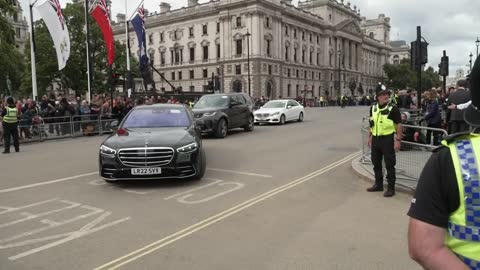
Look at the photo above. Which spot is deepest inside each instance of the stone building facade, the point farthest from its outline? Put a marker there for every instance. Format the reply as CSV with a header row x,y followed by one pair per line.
x,y
20,27
400,51
322,46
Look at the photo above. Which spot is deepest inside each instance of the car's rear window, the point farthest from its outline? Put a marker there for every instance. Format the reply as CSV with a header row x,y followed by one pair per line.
x,y
157,118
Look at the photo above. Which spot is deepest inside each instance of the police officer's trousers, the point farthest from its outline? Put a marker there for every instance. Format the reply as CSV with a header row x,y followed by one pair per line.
x,y
10,130
383,148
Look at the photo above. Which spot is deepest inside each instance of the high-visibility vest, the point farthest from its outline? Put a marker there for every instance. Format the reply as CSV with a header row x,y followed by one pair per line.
x,y
11,116
463,236
382,125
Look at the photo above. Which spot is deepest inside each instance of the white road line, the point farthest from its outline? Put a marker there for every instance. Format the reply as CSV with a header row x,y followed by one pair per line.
x,y
46,183
239,172
215,181
135,255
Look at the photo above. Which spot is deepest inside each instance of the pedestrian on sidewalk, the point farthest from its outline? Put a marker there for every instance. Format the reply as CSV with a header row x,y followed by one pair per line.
x,y
10,125
445,212
385,122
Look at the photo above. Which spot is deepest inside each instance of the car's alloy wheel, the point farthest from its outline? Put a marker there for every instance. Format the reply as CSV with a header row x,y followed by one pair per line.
x,y
282,120
300,117
250,125
201,165
221,129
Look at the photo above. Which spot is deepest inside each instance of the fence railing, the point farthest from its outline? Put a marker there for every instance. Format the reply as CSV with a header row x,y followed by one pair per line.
x,y
51,128
415,150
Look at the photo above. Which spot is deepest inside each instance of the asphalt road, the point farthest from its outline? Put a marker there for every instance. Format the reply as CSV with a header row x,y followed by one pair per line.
x,y
281,197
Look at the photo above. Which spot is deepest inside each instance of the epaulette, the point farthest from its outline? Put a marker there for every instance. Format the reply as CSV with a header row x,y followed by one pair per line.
x,y
453,137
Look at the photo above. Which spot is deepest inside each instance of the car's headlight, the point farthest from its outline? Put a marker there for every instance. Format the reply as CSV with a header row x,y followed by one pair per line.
x,y
209,114
105,150
277,113
188,148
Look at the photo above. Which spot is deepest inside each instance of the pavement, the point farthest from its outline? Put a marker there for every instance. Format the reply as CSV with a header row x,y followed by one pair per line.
x,y
281,197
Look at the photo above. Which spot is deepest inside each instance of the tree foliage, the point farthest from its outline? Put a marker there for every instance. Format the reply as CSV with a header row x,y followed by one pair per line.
x,y
402,76
74,75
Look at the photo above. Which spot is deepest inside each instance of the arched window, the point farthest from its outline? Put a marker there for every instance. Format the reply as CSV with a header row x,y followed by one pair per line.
x,y
396,60
371,35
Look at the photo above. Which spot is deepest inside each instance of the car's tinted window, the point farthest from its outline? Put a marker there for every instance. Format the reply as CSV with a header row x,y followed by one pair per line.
x,y
239,99
274,104
155,117
217,101
292,103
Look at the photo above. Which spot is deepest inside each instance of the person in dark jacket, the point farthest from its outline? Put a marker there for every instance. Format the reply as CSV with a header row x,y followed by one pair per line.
x,y
433,118
461,95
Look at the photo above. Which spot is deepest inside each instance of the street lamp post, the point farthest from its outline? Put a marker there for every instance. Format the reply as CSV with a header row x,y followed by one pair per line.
x,y
339,72
248,61
471,55
477,42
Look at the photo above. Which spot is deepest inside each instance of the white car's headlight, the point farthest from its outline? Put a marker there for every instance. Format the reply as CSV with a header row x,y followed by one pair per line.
x,y
277,113
188,148
105,150
209,114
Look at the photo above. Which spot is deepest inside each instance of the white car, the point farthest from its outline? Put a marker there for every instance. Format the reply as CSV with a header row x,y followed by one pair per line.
x,y
279,112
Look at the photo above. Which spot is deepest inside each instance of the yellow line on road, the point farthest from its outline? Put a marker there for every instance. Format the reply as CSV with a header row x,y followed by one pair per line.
x,y
135,255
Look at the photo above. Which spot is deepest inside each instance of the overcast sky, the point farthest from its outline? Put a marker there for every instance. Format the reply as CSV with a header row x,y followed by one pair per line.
x,y
446,24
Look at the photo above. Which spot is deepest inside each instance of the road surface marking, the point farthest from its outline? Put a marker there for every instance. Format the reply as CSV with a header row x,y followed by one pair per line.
x,y
239,172
215,181
137,254
46,183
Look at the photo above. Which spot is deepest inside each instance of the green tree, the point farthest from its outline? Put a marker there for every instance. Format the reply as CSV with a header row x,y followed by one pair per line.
x,y
12,63
402,76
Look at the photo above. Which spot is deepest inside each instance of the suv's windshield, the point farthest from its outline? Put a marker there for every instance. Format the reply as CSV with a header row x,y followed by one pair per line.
x,y
157,118
212,102
274,104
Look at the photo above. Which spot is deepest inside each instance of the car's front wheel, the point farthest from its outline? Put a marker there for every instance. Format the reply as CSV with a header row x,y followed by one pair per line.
x,y
201,165
300,117
282,119
250,125
222,129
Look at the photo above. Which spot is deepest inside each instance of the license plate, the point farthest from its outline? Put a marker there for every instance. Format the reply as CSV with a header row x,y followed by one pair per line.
x,y
146,171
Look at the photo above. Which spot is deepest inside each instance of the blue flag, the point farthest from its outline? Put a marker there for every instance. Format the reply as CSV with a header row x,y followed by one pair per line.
x,y
138,23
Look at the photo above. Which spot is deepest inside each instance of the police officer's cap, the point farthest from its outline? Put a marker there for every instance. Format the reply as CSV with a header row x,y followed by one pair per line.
x,y
381,89
472,113
10,100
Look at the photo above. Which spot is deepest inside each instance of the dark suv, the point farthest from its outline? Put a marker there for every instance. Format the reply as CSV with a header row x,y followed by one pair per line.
x,y
220,112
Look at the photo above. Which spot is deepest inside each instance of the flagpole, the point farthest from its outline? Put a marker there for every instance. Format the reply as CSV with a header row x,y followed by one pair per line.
x,y
87,33
32,55
127,45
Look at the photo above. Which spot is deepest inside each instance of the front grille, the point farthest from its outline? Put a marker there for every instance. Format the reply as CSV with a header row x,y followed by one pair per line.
x,y
262,114
146,157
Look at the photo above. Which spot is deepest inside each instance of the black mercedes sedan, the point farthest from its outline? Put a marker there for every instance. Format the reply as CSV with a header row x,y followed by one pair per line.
x,y
161,141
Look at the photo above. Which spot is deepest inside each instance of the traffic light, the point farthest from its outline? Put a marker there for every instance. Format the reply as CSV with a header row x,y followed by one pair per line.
x,y
418,58
443,66
115,78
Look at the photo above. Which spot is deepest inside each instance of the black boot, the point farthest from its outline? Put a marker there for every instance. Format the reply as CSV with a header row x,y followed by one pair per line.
x,y
390,192
375,188
17,150
6,152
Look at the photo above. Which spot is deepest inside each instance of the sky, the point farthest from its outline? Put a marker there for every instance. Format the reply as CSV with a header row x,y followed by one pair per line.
x,y
446,25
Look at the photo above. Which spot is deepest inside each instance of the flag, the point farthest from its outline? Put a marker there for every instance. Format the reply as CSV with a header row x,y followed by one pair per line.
x,y
101,15
138,23
51,13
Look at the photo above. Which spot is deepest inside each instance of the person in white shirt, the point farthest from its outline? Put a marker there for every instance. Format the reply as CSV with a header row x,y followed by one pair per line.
x,y
460,106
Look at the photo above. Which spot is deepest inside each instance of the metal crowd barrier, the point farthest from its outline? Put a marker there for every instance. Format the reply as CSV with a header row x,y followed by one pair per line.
x,y
52,128
413,154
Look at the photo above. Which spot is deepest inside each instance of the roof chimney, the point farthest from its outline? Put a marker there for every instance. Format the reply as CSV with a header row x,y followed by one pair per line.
x,y
165,7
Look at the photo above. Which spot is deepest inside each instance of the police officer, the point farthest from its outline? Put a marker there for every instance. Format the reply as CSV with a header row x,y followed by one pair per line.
x,y
444,229
385,122
10,125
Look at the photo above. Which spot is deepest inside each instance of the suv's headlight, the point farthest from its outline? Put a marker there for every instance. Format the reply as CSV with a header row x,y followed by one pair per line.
x,y
188,148
105,150
277,113
209,114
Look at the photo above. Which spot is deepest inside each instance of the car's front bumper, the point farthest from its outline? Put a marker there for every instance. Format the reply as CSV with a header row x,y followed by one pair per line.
x,y
209,123
268,120
183,165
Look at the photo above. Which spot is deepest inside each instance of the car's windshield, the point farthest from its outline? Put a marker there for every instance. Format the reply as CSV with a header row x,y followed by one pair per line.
x,y
212,102
274,104
157,118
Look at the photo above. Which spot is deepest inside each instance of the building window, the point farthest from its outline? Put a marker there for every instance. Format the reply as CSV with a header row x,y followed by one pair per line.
x,y
162,37
318,39
330,17
294,33
150,39
18,32
192,88
205,52
289,90
298,73
205,29
318,59
371,35
303,56
311,58
162,76
205,73
192,74
331,76
190,31
192,54
269,48
286,53
173,76
239,47
268,22
286,30
239,21
297,90
162,58
175,35
238,69
288,73
295,54
180,75
218,27
330,41
218,51
270,69
177,56
311,37
304,74
15,17
303,35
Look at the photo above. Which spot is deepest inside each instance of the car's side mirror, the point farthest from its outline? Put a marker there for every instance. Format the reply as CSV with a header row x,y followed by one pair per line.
x,y
234,104
289,107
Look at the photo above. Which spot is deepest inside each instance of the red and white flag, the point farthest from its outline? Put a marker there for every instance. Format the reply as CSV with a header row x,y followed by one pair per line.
x,y
100,13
